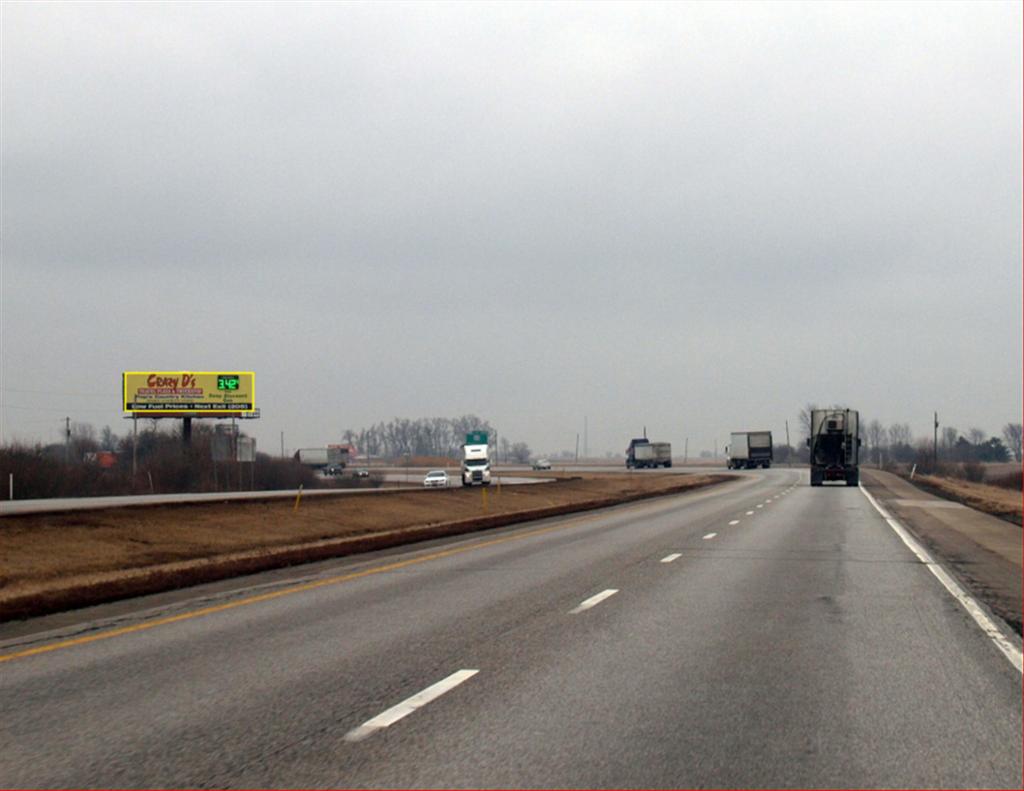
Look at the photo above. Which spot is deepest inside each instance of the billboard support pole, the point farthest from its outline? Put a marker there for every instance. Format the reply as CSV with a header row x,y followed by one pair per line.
x,y
186,431
135,445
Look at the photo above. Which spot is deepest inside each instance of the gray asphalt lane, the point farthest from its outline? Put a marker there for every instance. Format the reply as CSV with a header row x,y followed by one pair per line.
x,y
803,646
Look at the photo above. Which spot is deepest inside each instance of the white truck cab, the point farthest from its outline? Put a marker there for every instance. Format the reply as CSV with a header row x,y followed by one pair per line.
x,y
476,460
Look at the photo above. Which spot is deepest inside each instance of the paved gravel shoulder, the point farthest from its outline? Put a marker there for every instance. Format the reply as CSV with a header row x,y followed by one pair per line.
x,y
983,550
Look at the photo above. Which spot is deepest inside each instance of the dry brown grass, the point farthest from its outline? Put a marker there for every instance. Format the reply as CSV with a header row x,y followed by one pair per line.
x,y
995,500
56,561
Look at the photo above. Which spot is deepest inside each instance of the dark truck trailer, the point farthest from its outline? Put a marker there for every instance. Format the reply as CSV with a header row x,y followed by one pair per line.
x,y
643,453
749,449
835,446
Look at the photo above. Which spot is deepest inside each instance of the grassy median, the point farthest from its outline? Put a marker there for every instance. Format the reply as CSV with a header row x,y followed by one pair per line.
x,y
53,562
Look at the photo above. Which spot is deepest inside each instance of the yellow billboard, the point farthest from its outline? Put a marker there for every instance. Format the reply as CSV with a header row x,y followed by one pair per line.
x,y
193,393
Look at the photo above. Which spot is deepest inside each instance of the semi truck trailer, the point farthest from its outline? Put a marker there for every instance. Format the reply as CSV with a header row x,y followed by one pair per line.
x,y
331,456
643,453
835,446
749,449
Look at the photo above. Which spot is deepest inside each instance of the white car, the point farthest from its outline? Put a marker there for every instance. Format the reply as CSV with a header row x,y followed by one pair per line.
x,y
436,478
542,464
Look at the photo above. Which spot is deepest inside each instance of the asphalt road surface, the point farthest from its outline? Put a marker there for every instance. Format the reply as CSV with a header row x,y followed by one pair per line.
x,y
761,633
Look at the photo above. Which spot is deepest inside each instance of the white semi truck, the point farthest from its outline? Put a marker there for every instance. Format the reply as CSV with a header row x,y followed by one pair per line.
x,y
476,460
749,449
318,458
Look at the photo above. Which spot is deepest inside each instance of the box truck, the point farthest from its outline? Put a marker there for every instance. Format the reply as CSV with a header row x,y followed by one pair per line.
x,y
644,453
749,449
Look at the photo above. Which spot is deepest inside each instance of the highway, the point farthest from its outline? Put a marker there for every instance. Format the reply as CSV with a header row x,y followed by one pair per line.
x,y
757,634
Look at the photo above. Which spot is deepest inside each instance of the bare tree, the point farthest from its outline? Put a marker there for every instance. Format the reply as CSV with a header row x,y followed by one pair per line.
x,y
804,418
976,436
948,439
521,452
1012,435
901,441
108,439
876,434
900,434
83,440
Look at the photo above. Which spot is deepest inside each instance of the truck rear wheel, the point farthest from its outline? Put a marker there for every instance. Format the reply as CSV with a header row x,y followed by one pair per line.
x,y
815,478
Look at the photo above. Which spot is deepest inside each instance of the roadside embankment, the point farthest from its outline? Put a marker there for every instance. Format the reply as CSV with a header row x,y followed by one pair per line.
x,y
54,562
995,500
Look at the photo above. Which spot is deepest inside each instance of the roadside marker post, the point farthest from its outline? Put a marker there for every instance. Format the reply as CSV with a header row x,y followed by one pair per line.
x,y
298,497
483,497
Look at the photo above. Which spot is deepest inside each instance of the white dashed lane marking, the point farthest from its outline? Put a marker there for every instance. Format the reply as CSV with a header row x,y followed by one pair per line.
x,y
408,706
670,558
586,605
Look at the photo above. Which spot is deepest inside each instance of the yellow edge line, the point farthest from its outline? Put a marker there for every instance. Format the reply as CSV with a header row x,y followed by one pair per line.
x,y
287,591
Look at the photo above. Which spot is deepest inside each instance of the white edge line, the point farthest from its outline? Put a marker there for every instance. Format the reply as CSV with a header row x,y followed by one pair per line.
x,y
408,706
670,558
586,605
988,626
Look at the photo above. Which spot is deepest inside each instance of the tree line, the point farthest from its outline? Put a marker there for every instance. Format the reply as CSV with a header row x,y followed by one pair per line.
x,y
98,464
430,436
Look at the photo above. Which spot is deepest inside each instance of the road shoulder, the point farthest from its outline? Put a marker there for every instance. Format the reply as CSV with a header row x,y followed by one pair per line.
x,y
983,551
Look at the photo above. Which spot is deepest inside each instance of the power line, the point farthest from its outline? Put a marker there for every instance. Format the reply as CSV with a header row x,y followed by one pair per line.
x,y
65,410
55,392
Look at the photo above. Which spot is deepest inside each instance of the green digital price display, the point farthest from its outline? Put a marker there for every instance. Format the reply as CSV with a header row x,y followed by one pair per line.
x,y
228,381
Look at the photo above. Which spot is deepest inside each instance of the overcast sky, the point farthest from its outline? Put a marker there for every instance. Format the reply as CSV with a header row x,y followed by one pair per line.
x,y
694,217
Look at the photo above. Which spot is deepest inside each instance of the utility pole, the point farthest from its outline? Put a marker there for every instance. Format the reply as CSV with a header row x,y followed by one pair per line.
x,y
282,444
686,450
935,443
789,448
577,447
67,439
586,439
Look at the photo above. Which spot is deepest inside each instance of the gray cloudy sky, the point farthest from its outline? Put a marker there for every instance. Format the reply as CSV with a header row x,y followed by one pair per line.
x,y
697,217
